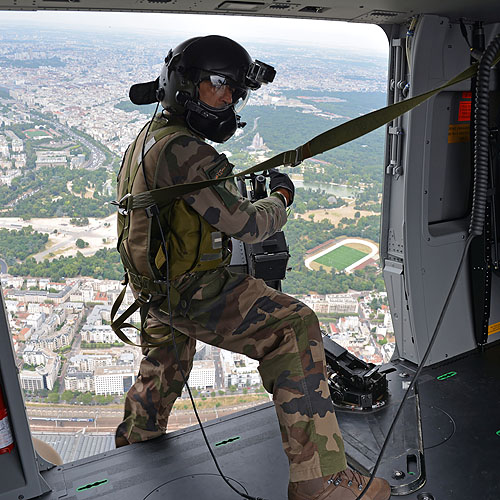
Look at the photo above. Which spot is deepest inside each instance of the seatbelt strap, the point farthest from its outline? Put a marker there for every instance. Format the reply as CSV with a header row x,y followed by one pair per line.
x,y
332,138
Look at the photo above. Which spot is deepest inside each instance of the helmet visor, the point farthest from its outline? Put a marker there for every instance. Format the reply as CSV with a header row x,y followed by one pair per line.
x,y
240,103
222,83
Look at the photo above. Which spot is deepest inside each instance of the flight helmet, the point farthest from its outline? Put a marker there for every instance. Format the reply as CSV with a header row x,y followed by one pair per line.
x,y
223,62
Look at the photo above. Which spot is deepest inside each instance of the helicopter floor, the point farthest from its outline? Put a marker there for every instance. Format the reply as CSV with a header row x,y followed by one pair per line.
x,y
445,447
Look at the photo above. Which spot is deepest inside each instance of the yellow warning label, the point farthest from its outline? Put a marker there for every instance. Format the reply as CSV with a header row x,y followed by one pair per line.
x,y
494,328
458,133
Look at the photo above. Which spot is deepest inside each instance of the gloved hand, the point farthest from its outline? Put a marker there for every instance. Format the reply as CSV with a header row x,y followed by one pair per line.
x,y
280,180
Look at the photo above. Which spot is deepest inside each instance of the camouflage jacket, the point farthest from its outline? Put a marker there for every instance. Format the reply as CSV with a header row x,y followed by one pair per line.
x,y
183,157
187,159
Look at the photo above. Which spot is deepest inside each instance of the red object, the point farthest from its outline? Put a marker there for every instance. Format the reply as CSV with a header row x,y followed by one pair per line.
x,y
464,111
6,440
466,95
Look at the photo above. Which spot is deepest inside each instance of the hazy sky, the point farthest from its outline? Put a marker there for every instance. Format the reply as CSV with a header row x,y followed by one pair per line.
x,y
311,32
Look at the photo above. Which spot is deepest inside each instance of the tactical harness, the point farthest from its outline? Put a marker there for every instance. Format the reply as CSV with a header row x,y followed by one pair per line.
x,y
162,202
192,244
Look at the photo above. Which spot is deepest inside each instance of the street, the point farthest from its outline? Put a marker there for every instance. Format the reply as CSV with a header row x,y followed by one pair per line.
x,y
97,157
75,349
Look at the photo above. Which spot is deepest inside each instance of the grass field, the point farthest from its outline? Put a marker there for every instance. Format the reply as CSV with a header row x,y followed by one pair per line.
x,y
37,133
341,257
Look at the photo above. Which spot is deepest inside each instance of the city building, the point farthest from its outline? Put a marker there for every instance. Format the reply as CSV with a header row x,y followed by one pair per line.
x,y
51,161
43,377
342,303
77,161
90,362
58,297
202,374
348,324
238,370
113,379
79,381
31,380
34,356
99,333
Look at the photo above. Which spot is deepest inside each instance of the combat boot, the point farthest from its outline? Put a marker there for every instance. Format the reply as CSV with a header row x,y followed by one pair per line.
x,y
346,485
120,441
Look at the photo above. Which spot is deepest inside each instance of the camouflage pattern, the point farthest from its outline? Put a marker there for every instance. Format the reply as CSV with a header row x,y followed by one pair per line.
x,y
190,159
241,314
181,158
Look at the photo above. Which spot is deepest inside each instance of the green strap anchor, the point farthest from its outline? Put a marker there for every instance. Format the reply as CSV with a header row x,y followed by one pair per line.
x,y
446,376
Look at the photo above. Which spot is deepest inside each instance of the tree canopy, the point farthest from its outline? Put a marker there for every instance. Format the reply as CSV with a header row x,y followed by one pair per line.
x,y
18,244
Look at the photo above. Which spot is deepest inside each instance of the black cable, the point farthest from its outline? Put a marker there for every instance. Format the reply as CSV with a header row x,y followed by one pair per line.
x,y
243,495
463,30
156,215
420,368
157,488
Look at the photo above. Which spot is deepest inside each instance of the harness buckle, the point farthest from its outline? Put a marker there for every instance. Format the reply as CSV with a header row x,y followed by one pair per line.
x,y
152,211
122,208
297,160
144,298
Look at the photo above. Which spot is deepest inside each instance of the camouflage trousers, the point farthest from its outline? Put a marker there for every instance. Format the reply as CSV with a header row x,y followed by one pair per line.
x,y
242,314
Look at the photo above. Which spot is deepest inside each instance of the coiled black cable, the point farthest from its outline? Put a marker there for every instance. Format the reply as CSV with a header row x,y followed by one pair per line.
x,y
481,139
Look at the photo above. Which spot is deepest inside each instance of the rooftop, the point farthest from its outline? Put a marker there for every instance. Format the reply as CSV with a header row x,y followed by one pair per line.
x,y
73,447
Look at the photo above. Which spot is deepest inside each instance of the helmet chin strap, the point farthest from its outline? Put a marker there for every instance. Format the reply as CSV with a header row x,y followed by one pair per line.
x,y
217,125
192,105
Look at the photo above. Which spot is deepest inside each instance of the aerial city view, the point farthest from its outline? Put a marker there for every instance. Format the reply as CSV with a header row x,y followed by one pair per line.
x,y
65,122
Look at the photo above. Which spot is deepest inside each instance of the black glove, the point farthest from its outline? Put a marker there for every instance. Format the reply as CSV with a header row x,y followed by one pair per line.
x,y
279,180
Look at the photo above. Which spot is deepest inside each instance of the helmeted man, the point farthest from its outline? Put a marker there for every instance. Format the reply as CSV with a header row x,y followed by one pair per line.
x,y
176,258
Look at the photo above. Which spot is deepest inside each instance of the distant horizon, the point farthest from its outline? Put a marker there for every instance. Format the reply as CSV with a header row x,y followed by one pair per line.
x,y
350,37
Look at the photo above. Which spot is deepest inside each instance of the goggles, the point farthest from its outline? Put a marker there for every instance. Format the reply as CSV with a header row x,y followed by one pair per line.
x,y
219,81
239,95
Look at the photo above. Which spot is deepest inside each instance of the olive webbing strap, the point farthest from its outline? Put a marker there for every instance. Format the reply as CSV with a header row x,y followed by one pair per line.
x,y
125,189
120,322
142,302
157,135
332,138
130,177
